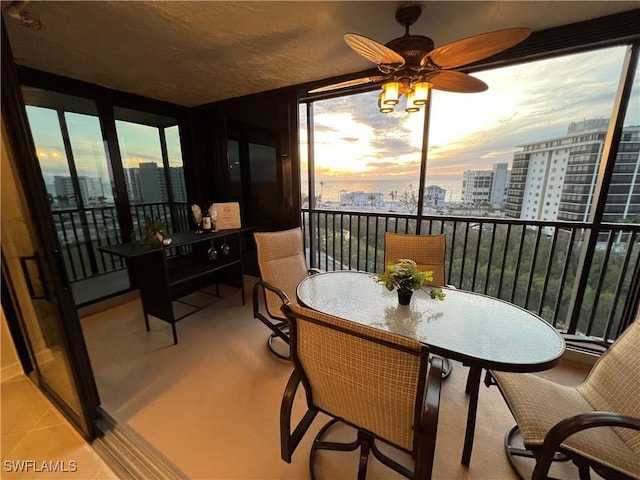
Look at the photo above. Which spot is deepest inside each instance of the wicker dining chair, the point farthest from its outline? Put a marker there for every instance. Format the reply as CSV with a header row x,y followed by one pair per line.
x,y
428,251
595,424
368,379
282,266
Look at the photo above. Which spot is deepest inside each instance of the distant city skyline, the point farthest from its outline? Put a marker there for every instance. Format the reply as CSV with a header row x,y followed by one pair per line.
x,y
145,184
138,144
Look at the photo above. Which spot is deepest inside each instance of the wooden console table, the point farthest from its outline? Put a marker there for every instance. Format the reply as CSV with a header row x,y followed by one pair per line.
x,y
167,273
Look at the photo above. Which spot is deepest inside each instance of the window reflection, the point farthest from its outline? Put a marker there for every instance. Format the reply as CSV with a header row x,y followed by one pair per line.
x,y
77,177
142,162
47,136
89,160
153,169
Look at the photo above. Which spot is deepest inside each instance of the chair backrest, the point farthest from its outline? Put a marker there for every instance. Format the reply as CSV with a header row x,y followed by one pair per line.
x,y
614,381
282,264
370,378
428,251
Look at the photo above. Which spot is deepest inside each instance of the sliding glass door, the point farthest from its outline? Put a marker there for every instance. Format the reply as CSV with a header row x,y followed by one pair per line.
x,y
101,190
74,164
35,293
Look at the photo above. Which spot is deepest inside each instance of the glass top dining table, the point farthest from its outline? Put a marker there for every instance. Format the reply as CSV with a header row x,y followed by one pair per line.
x,y
479,331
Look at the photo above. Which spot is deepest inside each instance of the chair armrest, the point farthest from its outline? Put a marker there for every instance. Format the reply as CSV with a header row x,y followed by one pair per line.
x,y
283,296
429,426
591,345
313,271
569,426
264,285
289,441
434,382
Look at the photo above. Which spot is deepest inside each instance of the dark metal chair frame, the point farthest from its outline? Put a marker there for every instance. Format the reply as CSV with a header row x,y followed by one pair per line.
x,y
291,242
426,415
278,326
551,450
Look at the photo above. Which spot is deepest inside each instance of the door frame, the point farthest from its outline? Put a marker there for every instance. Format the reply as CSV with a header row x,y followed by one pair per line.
x,y
22,148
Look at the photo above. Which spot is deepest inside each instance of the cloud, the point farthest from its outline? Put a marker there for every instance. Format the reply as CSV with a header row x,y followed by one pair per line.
x,y
524,104
394,146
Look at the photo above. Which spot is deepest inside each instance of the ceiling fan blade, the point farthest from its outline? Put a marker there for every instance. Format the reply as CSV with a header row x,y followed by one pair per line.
x,y
458,82
472,49
348,83
374,51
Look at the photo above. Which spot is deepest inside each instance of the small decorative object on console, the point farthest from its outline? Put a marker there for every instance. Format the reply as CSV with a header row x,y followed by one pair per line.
x,y
213,214
197,217
153,233
206,222
228,215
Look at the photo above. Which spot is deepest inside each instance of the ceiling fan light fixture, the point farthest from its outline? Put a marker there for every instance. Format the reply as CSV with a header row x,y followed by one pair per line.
x,y
408,61
421,92
391,93
382,107
412,106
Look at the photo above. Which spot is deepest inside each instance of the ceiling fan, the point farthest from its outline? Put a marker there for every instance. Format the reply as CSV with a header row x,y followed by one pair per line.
x,y
410,65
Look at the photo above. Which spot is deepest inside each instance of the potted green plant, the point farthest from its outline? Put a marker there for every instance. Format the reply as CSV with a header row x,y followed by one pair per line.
x,y
406,277
153,232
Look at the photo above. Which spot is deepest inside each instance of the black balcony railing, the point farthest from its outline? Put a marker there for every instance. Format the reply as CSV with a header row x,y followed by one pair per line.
x,y
536,265
82,232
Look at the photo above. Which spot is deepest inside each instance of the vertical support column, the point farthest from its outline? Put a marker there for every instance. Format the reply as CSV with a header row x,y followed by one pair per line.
x,y
607,163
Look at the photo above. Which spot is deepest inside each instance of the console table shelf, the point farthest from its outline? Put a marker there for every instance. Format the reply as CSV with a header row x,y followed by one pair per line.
x,y
188,267
167,273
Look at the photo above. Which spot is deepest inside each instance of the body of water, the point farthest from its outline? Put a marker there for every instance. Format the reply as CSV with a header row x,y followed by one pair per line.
x,y
330,189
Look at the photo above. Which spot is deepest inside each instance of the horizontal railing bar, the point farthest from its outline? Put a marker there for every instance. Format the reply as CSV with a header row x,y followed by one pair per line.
x,y
497,220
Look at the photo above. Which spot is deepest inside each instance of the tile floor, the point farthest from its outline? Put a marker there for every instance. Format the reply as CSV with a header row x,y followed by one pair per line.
x,y
38,442
210,404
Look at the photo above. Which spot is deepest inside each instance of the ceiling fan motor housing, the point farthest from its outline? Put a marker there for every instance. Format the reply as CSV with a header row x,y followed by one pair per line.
x,y
413,48
411,61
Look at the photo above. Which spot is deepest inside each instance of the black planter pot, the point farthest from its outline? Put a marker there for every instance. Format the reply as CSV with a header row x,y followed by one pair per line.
x,y
404,297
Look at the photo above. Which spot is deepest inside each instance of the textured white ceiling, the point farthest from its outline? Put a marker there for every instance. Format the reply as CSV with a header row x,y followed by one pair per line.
x,y
193,53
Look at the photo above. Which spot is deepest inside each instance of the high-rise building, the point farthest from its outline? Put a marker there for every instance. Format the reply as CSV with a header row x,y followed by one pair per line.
x,y
476,186
91,190
179,189
147,184
64,187
555,179
152,184
485,185
499,183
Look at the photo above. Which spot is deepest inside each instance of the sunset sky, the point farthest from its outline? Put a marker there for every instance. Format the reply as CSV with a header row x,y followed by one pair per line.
x,y
138,143
523,104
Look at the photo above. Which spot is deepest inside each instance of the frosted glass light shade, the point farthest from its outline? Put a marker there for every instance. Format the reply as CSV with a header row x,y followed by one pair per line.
x,y
421,92
411,104
390,93
382,107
